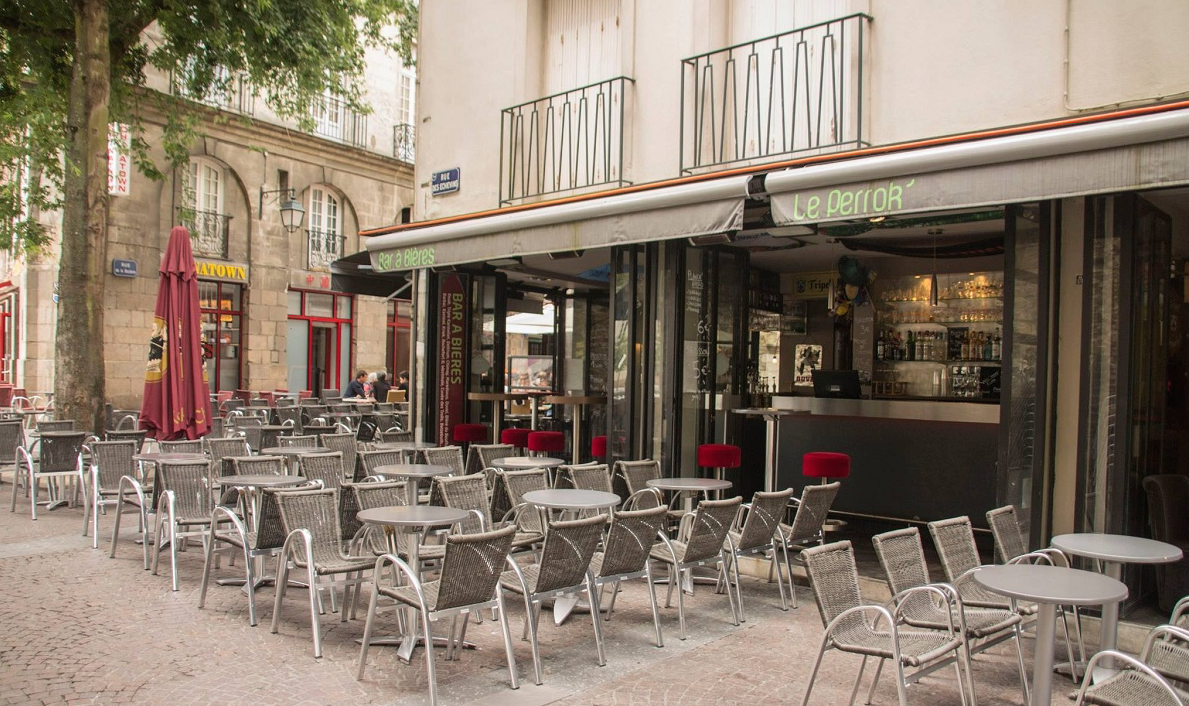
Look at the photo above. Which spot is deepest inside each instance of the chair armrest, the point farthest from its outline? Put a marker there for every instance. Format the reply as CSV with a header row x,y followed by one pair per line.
x,y
1168,631
740,514
1032,558
947,593
1179,609
410,575
634,499
1131,662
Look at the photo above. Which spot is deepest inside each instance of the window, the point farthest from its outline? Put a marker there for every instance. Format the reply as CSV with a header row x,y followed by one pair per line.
x,y
202,207
328,116
325,234
406,114
319,340
221,305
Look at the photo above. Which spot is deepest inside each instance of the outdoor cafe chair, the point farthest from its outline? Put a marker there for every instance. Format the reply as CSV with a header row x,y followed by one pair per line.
x,y
481,456
299,440
111,463
369,495
633,476
260,542
396,434
510,489
313,542
12,437
757,531
59,459
290,416
183,508
564,567
469,493
324,470
902,557
137,435
807,527
219,450
625,555
469,582
346,445
706,542
311,413
317,429
587,476
1152,679
366,430
181,447
217,427
1180,613
835,581
446,456
55,425
369,461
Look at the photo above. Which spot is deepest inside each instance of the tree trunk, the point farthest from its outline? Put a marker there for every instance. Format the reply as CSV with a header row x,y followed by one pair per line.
x,y
79,390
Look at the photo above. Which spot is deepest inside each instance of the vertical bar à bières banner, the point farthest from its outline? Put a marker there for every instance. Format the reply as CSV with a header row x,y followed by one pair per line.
x,y
452,337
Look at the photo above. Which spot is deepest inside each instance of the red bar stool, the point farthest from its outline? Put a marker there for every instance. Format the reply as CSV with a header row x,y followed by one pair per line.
x,y
718,458
467,434
829,466
598,448
516,437
546,442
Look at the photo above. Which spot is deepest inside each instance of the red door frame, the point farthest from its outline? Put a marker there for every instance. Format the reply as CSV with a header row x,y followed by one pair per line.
x,y
217,350
335,342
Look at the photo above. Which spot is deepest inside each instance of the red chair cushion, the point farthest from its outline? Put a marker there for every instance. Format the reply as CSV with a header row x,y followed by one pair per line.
x,y
825,464
598,447
515,437
719,456
546,441
470,432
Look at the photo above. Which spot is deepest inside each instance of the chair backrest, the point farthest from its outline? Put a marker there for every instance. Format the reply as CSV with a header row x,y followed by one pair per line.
x,y
903,559
12,436
516,484
371,495
462,493
299,440
326,467
395,396
711,523
254,465
137,435
366,431
635,474
61,452
289,414
835,580
182,446
594,476
630,539
270,533
217,426
345,444
1168,496
341,407
113,459
446,456
220,449
767,510
395,435
569,546
56,425
472,567
954,539
331,395
1005,527
480,456
318,430
190,483
369,461
249,419
811,515
316,511
310,412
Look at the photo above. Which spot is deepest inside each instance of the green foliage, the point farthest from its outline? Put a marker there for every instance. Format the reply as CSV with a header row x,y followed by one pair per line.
x,y
291,51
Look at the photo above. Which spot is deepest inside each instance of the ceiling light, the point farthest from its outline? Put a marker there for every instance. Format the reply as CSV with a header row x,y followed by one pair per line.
x,y
713,239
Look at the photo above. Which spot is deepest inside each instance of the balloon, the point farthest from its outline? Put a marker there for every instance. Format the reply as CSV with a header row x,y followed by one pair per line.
x,y
841,309
851,271
851,291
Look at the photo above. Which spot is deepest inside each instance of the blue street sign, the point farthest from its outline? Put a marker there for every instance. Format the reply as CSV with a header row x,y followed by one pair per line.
x,y
123,268
445,182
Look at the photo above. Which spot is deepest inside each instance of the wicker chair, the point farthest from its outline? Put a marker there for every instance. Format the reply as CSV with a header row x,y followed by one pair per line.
x,y
480,456
344,444
468,583
515,484
60,458
591,476
55,425
111,462
311,412
392,434
219,450
369,461
367,495
290,416
265,539
255,465
470,493
183,510
625,555
325,469
835,582
1145,681
304,441
137,435
707,543
807,527
181,447
565,567
903,560
630,477
12,437
446,456
757,531
313,541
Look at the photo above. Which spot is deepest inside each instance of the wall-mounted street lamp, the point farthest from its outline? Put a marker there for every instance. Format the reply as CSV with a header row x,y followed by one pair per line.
x,y
292,212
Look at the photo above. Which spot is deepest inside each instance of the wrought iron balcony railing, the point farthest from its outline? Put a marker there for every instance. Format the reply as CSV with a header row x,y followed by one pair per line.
x,y
335,120
404,142
208,231
567,141
323,247
796,92
233,93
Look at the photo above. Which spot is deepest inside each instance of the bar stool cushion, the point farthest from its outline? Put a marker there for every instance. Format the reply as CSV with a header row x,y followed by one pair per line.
x,y
719,456
470,432
515,437
546,441
598,447
825,464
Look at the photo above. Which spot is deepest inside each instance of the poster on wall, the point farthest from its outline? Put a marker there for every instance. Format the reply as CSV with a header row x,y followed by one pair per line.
x,y
452,337
807,358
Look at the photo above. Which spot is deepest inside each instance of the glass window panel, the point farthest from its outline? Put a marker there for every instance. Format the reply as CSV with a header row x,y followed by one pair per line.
x,y
344,307
207,294
344,351
297,355
321,305
230,294
294,303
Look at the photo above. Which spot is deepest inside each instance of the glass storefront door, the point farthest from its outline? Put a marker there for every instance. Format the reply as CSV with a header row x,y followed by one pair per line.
x,y
319,341
221,305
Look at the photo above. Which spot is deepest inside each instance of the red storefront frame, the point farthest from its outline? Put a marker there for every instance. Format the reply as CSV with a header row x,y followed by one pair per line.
x,y
332,326
223,349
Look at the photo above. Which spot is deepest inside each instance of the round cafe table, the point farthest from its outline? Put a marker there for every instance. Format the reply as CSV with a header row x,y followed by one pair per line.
x,y
1048,587
527,463
570,501
1114,550
689,487
413,473
249,486
413,519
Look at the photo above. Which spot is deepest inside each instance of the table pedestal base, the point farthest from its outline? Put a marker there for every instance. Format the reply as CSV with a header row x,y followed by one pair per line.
x,y
1042,663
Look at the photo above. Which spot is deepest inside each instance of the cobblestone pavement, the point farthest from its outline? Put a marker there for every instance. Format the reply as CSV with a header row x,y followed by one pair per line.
x,y
78,627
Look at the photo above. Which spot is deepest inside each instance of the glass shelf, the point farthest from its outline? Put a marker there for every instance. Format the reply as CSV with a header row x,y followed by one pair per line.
x,y
947,361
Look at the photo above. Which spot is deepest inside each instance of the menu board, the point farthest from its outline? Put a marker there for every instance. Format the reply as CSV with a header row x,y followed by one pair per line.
x,y
863,343
697,322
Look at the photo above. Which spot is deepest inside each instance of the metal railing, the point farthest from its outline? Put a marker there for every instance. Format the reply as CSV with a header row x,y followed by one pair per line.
x,y
323,247
335,120
795,92
567,141
404,142
208,231
233,93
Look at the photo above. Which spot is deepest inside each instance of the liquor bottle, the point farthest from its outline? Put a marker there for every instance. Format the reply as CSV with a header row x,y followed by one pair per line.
x,y
910,351
987,347
965,354
897,350
879,346
997,346
920,346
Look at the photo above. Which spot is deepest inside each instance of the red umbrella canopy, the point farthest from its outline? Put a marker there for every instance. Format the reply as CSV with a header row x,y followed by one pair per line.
x,y
176,399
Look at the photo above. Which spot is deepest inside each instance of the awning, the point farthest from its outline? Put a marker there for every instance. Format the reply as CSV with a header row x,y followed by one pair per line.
x,y
683,210
1143,152
354,275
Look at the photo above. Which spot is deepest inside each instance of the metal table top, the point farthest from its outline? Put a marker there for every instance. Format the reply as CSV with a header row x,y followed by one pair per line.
x,y
527,462
1117,547
260,480
689,484
412,516
571,499
1051,584
413,470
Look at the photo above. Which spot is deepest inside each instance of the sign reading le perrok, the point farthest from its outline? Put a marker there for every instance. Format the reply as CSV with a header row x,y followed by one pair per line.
x,y
446,181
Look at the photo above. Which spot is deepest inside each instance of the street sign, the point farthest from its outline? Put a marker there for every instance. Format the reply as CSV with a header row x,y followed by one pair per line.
x,y
123,268
445,182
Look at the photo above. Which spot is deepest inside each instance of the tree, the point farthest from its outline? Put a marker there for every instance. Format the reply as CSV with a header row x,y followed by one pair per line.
x,y
71,68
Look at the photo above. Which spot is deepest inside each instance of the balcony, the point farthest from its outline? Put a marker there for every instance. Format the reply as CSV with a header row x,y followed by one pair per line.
x,y
231,93
208,231
564,142
797,93
404,142
323,247
335,120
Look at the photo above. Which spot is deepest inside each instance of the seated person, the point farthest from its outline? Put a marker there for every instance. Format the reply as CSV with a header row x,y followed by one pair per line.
x,y
356,388
381,387
402,380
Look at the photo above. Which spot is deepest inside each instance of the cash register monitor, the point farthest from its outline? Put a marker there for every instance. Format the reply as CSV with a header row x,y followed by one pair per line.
x,y
839,384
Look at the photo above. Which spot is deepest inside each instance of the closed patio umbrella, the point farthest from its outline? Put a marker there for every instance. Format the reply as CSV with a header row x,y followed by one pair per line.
x,y
176,399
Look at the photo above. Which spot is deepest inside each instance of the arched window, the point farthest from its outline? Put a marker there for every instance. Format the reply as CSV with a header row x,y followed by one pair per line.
x,y
325,229
202,207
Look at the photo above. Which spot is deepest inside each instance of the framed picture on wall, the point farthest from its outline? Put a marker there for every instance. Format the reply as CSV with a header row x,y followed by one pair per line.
x,y
795,317
807,358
